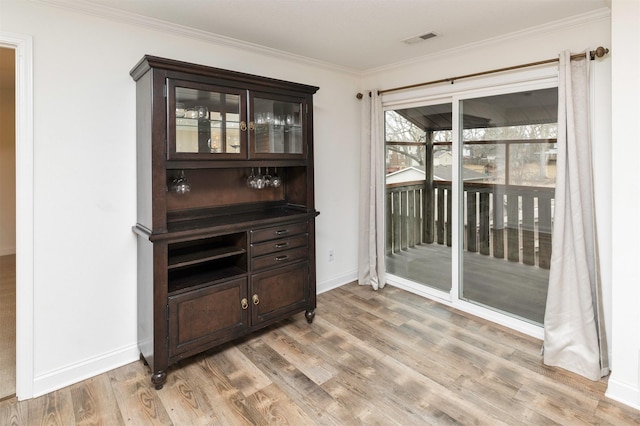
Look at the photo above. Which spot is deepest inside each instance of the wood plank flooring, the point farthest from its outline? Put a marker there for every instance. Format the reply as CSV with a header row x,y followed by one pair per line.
x,y
7,326
369,358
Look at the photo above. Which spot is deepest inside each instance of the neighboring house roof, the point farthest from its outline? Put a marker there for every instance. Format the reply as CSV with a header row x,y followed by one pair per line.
x,y
444,172
405,175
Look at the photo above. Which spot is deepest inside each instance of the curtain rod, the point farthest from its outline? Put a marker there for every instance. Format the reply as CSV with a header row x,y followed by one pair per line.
x,y
599,52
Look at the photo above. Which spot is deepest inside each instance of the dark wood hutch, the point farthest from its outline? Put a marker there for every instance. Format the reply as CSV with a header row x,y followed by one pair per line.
x,y
226,215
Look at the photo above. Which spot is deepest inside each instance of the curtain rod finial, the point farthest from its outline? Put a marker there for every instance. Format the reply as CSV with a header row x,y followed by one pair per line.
x,y
599,52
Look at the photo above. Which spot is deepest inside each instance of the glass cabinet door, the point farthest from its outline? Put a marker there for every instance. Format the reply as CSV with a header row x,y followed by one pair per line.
x,y
278,124
205,122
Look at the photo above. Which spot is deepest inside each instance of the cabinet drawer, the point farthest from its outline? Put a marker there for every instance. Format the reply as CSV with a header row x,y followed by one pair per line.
x,y
279,258
275,246
281,231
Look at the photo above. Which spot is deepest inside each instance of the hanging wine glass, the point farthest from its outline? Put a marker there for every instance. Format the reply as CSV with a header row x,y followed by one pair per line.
x,y
275,179
251,180
259,179
267,179
180,184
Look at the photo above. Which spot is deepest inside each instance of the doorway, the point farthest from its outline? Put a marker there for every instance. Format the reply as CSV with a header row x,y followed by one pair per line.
x,y
7,224
419,167
507,206
470,186
22,46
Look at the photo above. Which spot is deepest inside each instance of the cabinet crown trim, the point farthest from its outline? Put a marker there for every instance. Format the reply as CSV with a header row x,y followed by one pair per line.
x,y
148,62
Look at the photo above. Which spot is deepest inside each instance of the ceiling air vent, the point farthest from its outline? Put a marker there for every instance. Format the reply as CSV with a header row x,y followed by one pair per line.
x,y
419,38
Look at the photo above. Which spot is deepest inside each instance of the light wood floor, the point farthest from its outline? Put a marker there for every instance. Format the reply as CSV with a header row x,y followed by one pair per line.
x,y
374,358
7,326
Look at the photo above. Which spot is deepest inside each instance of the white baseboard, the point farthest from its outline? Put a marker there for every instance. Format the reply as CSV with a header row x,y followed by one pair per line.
x,y
74,373
336,282
6,251
623,393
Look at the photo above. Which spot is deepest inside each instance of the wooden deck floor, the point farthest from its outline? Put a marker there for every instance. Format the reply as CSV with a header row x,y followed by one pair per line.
x,y
510,287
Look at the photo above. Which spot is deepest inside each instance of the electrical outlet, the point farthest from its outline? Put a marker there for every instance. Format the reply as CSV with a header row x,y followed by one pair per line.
x,y
331,255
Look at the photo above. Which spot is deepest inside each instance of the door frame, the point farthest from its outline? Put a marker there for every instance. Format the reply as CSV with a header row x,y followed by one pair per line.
x,y
527,79
23,47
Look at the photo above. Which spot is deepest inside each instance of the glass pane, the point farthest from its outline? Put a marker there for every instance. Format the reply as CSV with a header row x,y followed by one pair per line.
x,y
508,169
207,122
278,127
418,194
532,164
400,157
483,162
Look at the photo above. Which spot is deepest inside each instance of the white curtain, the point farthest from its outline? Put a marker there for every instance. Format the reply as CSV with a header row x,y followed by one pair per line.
x,y
371,268
574,336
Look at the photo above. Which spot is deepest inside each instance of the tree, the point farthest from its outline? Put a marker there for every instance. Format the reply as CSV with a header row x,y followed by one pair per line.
x,y
399,129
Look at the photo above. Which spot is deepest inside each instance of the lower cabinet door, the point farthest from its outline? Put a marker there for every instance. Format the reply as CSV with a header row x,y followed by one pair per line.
x,y
205,316
277,293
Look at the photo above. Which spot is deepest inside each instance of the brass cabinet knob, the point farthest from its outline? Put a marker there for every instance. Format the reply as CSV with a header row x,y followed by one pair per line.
x,y
252,126
255,299
243,126
244,303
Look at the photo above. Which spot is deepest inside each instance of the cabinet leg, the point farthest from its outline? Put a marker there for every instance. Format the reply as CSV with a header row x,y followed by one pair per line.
x,y
310,315
158,379
144,361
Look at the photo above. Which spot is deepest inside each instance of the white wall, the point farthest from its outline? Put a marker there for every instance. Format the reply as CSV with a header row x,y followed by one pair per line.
x,y
624,383
84,176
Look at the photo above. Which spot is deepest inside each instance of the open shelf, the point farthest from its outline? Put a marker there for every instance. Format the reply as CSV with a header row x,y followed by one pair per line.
x,y
192,258
181,281
204,261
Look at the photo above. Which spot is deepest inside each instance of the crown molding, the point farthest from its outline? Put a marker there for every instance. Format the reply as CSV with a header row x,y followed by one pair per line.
x,y
181,30
114,14
551,27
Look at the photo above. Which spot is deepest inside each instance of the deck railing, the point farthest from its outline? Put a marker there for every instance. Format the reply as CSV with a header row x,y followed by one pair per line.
x,y
503,221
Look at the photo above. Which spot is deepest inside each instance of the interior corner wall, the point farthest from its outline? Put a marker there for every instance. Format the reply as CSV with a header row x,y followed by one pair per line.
x,y
7,153
616,153
624,382
84,171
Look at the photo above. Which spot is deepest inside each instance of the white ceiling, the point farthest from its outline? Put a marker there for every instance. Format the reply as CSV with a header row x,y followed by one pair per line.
x,y
358,35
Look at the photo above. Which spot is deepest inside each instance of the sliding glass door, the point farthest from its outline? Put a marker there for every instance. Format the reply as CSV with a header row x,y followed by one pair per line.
x,y
470,197
419,164
507,185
